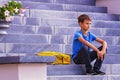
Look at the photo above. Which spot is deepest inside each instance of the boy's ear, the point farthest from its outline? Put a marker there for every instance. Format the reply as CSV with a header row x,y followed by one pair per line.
x,y
80,23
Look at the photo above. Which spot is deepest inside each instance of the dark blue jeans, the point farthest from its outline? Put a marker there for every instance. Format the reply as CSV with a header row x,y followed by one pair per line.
x,y
86,57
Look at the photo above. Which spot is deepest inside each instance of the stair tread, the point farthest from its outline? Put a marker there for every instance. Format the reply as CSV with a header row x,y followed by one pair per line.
x,y
71,15
66,7
84,2
85,77
73,69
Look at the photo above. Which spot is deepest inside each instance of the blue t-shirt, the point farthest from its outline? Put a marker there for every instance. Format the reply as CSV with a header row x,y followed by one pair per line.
x,y
77,44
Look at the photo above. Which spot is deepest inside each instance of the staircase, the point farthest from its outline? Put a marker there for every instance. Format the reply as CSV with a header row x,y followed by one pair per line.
x,y
49,25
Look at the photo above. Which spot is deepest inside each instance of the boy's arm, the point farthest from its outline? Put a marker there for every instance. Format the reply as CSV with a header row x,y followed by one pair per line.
x,y
101,53
104,44
88,44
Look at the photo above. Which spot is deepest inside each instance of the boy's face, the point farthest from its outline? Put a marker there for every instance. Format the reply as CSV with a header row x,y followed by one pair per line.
x,y
85,25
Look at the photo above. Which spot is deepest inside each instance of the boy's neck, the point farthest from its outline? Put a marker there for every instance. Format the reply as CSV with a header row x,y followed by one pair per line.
x,y
84,32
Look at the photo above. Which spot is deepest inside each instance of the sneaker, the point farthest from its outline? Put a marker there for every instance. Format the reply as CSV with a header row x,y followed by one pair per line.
x,y
97,72
90,72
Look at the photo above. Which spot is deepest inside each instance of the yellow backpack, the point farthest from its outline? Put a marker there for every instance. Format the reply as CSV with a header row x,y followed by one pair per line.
x,y
61,58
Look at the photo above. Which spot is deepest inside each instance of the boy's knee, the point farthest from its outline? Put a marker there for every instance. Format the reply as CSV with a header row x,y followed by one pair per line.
x,y
100,48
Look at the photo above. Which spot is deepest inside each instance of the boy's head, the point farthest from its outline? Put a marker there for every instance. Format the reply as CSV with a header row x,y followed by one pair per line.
x,y
83,17
84,22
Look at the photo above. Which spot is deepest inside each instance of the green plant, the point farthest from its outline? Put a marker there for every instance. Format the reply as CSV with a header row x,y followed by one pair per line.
x,y
10,9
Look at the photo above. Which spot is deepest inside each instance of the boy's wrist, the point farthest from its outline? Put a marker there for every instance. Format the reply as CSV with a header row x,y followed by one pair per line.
x,y
98,51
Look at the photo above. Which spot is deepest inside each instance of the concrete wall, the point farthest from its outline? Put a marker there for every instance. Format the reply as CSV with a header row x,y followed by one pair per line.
x,y
113,5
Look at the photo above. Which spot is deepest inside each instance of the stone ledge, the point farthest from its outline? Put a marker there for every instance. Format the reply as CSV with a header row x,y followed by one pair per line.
x,y
26,59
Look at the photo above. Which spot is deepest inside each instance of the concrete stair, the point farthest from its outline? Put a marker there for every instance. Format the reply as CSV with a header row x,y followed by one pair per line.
x,y
63,7
76,72
70,15
49,25
81,77
73,69
62,22
83,2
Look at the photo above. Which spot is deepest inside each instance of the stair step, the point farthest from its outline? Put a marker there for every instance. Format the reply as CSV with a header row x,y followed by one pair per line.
x,y
2,47
29,48
18,20
111,49
63,7
45,1
3,33
72,23
51,39
14,59
62,22
83,2
112,32
71,69
83,8
61,30
96,31
52,14
35,48
71,15
84,77
21,29
112,58
109,39
22,38
29,29
77,70
68,22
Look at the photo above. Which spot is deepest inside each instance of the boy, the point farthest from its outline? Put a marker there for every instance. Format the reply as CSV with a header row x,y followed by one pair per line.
x,y
82,43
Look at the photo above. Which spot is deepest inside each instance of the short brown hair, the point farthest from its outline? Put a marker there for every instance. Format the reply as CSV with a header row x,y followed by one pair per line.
x,y
83,17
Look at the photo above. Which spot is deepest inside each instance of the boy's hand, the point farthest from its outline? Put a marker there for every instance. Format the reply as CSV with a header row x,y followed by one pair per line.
x,y
101,55
98,54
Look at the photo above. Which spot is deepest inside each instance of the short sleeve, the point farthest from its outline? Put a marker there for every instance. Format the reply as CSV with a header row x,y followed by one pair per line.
x,y
93,36
77,35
